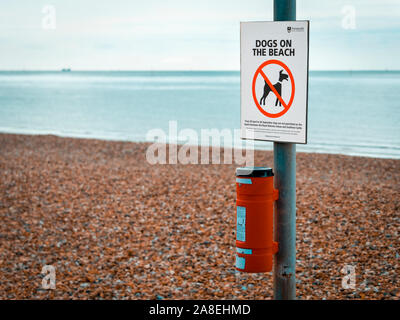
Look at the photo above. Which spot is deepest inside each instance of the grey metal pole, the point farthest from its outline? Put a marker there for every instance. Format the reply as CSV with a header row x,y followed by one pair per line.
x,y
285,206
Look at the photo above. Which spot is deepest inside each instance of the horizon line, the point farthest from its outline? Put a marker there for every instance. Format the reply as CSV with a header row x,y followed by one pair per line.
x,y
181,70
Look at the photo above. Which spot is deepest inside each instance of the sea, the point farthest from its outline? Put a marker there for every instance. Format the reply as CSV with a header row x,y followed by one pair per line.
x,y
349,112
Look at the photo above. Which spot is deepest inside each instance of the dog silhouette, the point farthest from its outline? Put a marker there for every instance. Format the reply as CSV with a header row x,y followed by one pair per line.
x,y
277,86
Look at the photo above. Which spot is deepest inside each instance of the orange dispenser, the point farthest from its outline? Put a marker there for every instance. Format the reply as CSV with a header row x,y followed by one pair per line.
x,y
254,219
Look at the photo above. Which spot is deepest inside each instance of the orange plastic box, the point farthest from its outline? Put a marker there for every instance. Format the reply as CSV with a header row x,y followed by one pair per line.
x,y
254,219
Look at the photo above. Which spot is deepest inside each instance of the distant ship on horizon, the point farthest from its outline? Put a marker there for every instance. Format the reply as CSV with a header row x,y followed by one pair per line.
x,y
66,70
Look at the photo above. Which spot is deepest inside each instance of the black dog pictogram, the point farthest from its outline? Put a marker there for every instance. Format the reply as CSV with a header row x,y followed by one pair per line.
x,y
277,86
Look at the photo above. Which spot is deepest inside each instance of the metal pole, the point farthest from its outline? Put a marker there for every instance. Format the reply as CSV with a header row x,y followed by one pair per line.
x,y
285,206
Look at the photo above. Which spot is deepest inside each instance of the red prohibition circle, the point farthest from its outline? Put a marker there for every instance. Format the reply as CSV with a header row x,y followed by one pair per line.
x,y
258,72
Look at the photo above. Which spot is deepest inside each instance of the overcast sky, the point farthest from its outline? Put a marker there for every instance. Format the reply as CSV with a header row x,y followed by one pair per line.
x,y
187,35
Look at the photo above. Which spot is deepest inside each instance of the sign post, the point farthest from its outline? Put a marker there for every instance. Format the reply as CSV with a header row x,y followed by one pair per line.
x,y
274,98
285,206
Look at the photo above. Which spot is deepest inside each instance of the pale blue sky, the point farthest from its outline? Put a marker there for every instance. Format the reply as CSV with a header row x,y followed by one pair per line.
x,y
187,35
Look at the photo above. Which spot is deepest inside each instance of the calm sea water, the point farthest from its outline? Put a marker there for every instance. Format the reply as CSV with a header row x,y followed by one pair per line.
x,y
356,113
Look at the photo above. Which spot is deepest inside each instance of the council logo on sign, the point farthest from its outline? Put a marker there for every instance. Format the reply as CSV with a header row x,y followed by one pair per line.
x,y
273,88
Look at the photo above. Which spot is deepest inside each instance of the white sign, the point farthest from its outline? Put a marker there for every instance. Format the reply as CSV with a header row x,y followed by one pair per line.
x,y
274,80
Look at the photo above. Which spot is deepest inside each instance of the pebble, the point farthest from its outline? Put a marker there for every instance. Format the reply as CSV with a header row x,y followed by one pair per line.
x,y
116,227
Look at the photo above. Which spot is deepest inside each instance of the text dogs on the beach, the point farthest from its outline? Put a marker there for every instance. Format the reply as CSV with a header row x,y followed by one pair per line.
x,y
188,152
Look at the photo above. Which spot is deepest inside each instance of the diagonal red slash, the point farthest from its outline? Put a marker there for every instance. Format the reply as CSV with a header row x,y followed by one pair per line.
x,y
273,88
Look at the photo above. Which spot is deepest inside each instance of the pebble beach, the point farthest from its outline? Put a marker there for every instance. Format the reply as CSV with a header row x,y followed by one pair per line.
x,y
117,227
